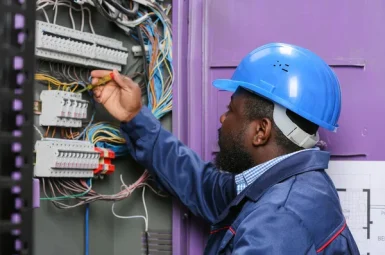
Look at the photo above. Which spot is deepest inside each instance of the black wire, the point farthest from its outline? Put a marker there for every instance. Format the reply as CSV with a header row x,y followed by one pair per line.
x,y
141,41
147,244
158,7
128,12
103,11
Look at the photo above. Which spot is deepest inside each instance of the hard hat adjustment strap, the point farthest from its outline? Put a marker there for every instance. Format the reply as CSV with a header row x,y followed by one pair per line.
x,y
293,132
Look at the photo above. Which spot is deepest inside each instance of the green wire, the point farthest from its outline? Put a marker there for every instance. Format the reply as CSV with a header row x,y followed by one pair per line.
x,y
89,87
70,196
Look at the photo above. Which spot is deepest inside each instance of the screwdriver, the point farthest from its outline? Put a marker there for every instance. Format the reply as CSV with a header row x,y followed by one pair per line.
x,y
102,81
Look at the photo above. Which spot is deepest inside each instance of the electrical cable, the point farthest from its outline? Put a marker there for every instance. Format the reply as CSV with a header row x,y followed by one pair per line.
x,y
102,11
72,190
86,226
39,132
108,136
128,12
159,89
145,217
141,41
41,4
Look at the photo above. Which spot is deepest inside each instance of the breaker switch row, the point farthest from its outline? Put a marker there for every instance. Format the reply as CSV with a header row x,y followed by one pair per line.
x,y
66,45
62,109
70,158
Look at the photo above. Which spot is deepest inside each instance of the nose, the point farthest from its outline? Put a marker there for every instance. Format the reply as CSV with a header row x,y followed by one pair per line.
x,y
222,118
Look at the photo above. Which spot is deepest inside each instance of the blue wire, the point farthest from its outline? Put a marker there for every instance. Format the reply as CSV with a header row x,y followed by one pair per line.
x,y
119,149
86,225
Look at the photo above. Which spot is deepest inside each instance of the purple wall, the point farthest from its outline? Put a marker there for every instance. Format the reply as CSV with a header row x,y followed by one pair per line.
x,y
348,34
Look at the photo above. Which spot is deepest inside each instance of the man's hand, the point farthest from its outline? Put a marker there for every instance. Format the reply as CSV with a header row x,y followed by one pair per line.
x,y
121,96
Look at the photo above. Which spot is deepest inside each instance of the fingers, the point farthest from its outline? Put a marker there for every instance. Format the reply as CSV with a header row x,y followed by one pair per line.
x,y
123,81
95,81
98,99
99,73
98,91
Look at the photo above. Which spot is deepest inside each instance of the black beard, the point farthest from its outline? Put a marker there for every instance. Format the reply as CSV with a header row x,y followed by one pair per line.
x,y
232,156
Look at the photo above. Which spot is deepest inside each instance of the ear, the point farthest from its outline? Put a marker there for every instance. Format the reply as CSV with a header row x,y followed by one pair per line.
x,y
263,128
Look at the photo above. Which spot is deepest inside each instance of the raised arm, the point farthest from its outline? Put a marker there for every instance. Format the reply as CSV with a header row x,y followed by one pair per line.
x,y
199,185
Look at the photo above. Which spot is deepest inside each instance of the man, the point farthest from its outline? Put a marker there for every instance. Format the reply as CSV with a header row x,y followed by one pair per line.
x,y
272,195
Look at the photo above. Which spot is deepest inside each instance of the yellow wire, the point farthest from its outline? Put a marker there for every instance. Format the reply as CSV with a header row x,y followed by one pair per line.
x,y
52,80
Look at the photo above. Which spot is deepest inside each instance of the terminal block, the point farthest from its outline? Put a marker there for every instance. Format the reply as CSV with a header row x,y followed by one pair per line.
x,y
62,44
105,162
62,109
65,158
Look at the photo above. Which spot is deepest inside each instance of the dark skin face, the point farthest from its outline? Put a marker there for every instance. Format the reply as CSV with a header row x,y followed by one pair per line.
x,y
244,143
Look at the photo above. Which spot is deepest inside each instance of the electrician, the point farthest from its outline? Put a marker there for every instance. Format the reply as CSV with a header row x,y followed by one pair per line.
x,y
272,195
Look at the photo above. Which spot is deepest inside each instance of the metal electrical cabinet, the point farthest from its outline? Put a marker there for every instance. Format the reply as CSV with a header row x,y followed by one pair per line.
x,y
218,33
62,231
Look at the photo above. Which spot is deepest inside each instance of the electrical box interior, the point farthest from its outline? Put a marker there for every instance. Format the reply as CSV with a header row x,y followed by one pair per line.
x,y
93,198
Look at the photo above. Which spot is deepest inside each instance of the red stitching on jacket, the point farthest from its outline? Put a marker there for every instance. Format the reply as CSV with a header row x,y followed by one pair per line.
x,y
224,228
332,239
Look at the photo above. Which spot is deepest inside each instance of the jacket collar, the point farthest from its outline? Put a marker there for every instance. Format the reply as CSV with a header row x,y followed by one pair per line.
x,y
299,163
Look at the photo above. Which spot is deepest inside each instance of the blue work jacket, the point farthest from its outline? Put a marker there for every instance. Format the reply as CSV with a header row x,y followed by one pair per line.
x,y
291,209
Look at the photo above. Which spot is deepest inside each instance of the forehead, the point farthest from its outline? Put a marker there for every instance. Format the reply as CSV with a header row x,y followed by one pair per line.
x,y
239,95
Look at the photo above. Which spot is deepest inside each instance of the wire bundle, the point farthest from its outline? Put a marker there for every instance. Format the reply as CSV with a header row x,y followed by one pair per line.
x,y
108,136
147,17
159,87
42,4
153,29
72,86
81,193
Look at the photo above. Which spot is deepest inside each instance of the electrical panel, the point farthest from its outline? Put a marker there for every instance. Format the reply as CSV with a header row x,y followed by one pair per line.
x,y
62,108
65,158
62,44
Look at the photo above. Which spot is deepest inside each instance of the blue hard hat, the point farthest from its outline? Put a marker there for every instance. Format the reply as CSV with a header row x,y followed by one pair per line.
x,y
292,77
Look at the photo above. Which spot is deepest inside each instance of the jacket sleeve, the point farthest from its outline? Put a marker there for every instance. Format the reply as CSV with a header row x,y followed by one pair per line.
x,y
199,185
274,231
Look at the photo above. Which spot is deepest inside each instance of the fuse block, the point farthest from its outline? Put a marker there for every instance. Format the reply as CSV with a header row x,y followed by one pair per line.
x,y
65,158
62,44
105,165
62,109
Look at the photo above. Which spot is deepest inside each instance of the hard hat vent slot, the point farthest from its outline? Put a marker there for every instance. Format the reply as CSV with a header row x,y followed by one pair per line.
x,y
284,67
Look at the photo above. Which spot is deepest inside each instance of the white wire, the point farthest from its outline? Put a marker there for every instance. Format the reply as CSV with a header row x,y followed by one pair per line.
x,y
37,130
55,7
41,4
72,18
82,27
145,207
145,218
90,20
46,16
133,23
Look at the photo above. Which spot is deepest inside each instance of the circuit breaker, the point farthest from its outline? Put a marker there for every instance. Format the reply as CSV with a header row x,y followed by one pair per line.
x,y
62,44
71,158
62,109
105,162
65,158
